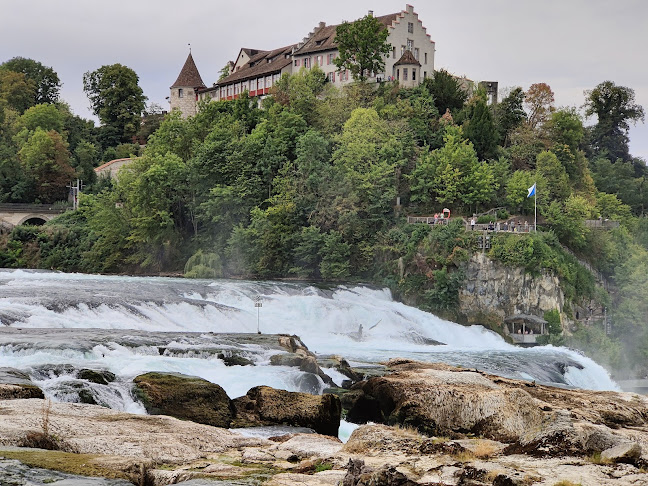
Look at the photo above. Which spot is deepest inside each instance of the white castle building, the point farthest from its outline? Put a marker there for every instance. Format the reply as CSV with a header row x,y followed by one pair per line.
x,y
256,71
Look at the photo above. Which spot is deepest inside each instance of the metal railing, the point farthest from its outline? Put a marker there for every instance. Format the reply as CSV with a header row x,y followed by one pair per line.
x,y
32,208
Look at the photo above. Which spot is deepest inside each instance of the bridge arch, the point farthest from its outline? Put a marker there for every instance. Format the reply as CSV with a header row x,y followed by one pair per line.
x,y
34,219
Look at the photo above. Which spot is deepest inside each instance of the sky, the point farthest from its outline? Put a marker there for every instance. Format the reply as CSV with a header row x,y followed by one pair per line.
x,y
572,45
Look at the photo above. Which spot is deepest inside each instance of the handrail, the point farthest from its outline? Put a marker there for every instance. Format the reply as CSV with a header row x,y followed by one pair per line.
x,y
32,208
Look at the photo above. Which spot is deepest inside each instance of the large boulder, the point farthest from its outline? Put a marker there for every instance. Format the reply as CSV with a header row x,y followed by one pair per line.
x,y
263,405
16,384
534,419
184,397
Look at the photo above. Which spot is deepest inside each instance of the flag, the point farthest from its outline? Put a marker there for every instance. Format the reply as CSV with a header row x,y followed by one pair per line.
x,y
531,190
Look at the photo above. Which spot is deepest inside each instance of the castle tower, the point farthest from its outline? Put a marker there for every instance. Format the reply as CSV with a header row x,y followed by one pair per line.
x,y
407,70
183,91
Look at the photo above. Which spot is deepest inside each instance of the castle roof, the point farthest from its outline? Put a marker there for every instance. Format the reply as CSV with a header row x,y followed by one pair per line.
x,y
261,64
323,37
189,75
407,58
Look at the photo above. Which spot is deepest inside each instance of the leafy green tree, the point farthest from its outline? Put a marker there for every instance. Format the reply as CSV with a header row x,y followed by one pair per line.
x,y
335,255
46,81
614,107
16,91
452,174
480,129
549,168
510,114
46,159
84,160
362,46
446,91
300,91
517,189
117,99
568,220
46,117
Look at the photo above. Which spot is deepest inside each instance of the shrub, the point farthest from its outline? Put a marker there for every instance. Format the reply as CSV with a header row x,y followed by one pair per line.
x,y
203,265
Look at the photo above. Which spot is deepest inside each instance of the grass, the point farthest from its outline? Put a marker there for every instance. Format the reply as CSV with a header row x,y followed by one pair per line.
x,y
67,462
567,483
597,459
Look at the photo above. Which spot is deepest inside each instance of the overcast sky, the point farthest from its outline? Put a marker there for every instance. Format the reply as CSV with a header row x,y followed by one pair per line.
x,y
572,45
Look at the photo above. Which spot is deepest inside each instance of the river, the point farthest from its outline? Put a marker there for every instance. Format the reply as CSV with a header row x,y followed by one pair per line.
x,y
62,323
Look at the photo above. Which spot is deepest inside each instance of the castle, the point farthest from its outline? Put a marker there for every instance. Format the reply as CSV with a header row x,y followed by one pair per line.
x,y
256,71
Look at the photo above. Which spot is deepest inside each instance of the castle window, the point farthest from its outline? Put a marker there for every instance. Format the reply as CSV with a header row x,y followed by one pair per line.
x,y
307,62
425,58
394,52
398,74
331,77
404,74
180,93
416,53
413,74
296,62
410,44
410,27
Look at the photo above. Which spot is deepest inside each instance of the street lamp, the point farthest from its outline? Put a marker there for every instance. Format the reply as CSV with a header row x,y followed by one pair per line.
x,y
258,304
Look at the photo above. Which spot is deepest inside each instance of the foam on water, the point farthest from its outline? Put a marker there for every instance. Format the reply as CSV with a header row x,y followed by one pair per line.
x,y
362,324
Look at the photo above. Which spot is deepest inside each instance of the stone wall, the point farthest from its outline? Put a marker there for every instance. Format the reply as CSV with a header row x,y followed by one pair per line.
x,y
184,100
493,291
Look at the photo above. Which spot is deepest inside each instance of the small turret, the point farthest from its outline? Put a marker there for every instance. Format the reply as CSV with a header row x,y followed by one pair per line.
x,y
183,91
407,70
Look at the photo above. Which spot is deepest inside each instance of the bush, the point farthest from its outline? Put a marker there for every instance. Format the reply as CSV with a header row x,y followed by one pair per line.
x,y
486,218
203,265
503,214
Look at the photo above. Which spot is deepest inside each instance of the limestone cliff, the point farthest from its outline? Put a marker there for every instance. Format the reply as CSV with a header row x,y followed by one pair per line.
x,y
493,291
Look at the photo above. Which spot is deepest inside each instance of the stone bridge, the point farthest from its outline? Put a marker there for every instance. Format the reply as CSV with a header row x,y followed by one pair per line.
x,y
16,214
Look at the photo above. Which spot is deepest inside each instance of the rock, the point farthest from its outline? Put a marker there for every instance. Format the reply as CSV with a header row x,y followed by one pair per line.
x,y
629,452
536,420
184,397
307,446
234,359
306,362
100,377
360,475
263,405
16,384
494,291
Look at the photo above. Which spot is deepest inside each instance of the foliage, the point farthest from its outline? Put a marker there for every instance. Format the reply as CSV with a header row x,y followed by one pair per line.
x,y
510,114
117,99
446,91
45,80
614,107
553,321
362,46
539,102
203,265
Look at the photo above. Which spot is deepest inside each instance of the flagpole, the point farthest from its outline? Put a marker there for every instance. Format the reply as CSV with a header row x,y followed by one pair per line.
x,y
535,208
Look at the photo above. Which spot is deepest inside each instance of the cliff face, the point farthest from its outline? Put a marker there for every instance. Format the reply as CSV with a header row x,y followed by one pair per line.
x,y
493,291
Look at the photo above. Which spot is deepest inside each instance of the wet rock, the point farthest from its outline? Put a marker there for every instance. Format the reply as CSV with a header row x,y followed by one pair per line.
x,y
263,405
184,397
16,384
234,359
100,377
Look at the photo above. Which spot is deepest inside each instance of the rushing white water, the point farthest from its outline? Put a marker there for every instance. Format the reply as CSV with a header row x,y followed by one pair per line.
x,y
362,324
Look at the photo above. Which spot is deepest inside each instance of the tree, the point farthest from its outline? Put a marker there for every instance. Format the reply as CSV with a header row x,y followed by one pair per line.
x,y
117,100
614,107
446,91
16,91
539,101
510,114
362,45
45,79
480,129
46,159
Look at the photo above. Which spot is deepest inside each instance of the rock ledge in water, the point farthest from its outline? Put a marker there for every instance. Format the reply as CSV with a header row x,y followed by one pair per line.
x,y
184,397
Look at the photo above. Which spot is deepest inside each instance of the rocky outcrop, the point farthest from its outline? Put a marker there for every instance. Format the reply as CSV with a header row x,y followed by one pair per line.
x,y
263,405
539,420
16,384
494,291
184,397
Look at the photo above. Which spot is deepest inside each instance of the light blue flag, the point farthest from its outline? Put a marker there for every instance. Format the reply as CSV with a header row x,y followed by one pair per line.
x,y
531,190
